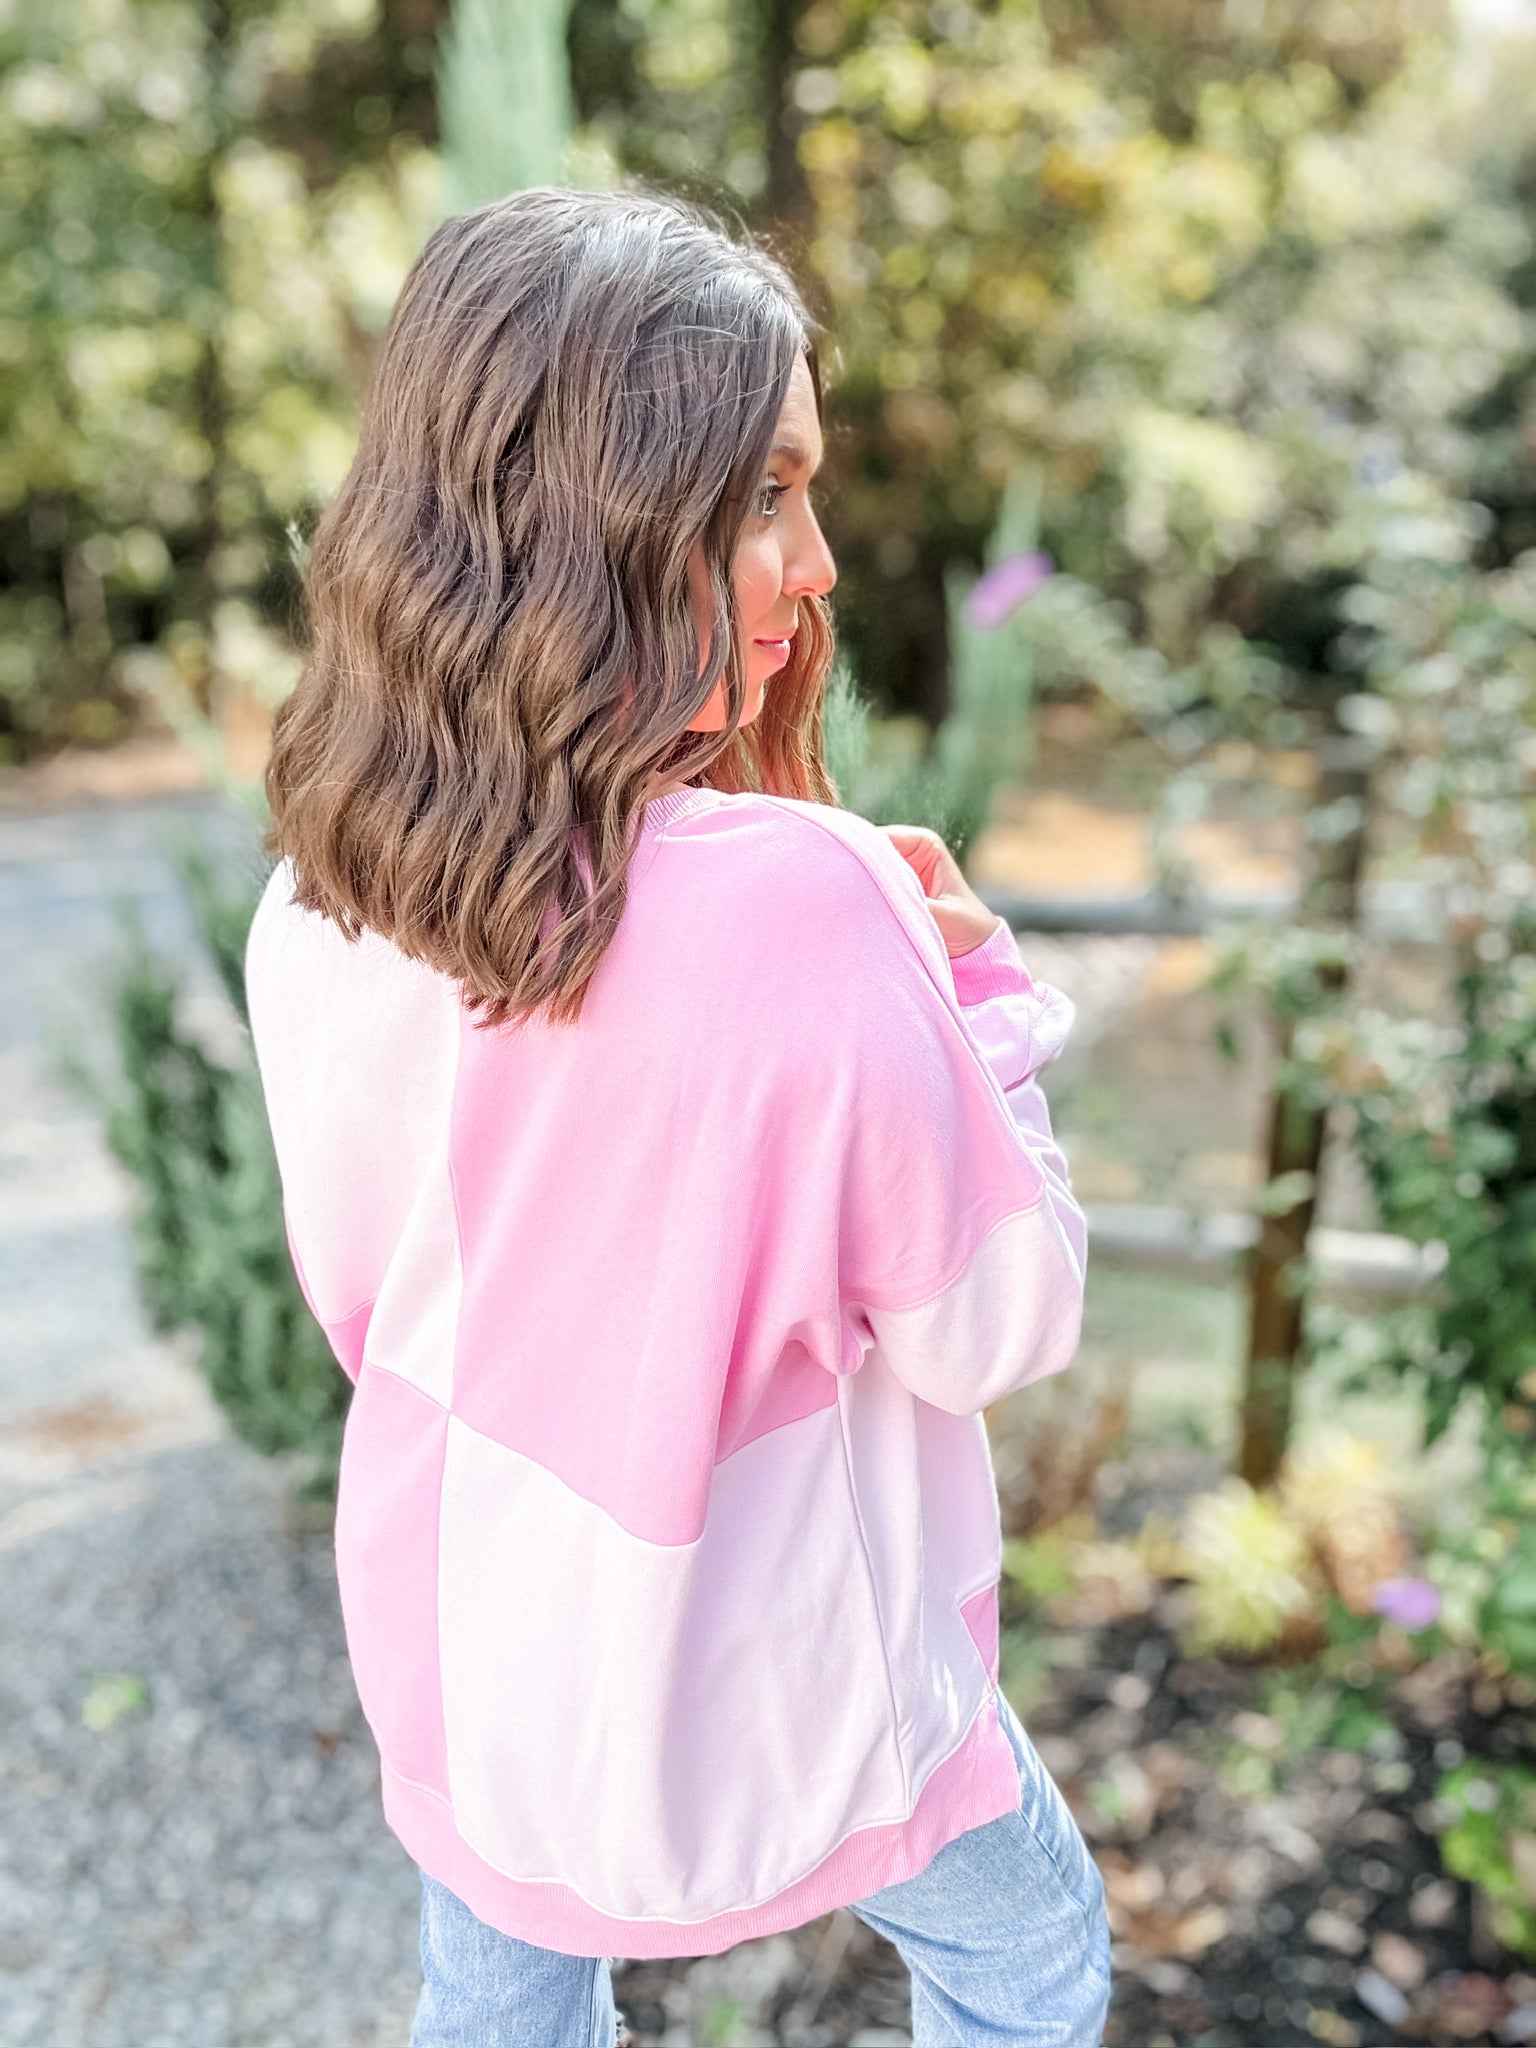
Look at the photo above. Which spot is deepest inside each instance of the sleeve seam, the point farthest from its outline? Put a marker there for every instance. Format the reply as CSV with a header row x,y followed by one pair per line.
x,y
867,1300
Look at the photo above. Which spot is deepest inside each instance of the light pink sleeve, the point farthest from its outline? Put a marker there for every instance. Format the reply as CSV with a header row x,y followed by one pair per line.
x,y
1020,1026
964,1247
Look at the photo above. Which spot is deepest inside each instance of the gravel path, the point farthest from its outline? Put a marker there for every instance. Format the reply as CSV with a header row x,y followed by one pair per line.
x,y
208,1866
194,1855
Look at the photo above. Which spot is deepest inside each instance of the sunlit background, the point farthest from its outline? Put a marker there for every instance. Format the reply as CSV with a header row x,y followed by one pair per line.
x,y
1181,475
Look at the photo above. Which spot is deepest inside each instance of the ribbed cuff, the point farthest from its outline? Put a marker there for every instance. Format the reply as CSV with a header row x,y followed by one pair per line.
x,y
991,969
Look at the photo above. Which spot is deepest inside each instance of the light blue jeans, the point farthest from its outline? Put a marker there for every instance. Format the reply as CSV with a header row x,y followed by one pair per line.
x,y
1003,1934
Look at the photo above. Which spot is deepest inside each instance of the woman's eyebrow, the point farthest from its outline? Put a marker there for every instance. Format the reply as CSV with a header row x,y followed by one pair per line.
x,y
795,453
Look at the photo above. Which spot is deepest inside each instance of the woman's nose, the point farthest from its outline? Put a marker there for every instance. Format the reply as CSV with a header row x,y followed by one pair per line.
x,y
812,571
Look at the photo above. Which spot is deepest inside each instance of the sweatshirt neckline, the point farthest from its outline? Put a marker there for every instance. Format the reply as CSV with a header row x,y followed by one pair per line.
x,y
677,803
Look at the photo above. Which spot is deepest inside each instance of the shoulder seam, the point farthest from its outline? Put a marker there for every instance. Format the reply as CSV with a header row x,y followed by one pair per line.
x,y
826,832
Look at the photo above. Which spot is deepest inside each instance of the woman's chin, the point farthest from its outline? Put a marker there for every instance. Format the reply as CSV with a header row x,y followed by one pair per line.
x,y
712,719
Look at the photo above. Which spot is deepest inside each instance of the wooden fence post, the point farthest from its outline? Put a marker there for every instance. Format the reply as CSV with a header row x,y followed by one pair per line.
x,y
1297,1129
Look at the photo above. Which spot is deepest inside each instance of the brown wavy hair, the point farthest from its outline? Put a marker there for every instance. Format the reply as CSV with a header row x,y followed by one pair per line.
x,y
574,389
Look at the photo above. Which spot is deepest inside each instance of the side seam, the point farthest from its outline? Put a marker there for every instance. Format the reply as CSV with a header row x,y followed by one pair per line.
x,y
843,1386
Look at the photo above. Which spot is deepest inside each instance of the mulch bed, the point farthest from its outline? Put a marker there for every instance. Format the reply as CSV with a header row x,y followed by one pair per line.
x,y
1265,1902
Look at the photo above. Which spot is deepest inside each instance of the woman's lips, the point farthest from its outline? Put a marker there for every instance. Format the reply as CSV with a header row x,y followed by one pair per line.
x,y
778,647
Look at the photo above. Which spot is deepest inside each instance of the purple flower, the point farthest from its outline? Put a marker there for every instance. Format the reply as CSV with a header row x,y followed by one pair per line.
x,y
1003,588
1411,1603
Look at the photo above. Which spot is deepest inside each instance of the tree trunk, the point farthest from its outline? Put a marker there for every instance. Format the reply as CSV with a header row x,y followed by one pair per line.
x,y
209,396
786,196
1298,1129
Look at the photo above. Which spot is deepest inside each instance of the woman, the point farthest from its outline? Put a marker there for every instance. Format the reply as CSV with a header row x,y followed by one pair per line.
x,y
662,1154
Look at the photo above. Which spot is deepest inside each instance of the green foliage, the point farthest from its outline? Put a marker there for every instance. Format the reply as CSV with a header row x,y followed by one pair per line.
x,y
1244,1773
207,212
1206,313
949,782
721,2023
1228,684
1444,1105
1487,1569
1037,1568
846,731
222,914
1319,1712
1290,969
113,1696
1250,1568
207,1228
1195,310
1356,1725
1507,1615
1492,1842
1450,1143
1439,1095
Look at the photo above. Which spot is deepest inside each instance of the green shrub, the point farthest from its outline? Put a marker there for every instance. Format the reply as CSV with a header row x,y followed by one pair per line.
x,y
1492,1843
1507,1615
948,783
1487,1570
1448,1137
1251,1570
207,1228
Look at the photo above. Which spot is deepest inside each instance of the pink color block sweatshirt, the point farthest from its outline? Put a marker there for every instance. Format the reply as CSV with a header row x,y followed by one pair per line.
x,y
667,1536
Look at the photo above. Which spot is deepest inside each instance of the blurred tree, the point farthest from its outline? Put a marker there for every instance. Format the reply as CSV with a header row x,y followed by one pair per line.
x,y
504,95
1212,269
185,302
1503,422
1170,266
1172,253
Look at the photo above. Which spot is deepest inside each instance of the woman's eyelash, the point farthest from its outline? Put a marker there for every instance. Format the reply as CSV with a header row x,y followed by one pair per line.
x,y
778,491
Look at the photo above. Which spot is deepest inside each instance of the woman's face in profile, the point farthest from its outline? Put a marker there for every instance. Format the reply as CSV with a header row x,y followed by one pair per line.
x,y
782,556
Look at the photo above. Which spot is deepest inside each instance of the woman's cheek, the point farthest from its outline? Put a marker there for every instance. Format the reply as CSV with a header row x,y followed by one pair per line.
x,y
759,579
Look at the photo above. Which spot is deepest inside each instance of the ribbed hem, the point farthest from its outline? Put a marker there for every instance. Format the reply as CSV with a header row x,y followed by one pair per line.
x,y
991,969
976,1783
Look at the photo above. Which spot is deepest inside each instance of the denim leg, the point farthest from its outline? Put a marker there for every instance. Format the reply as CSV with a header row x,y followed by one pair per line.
x,y
484,1989
1004,1932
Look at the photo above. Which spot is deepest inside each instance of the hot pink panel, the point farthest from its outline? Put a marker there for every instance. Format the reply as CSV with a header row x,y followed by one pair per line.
x,y
386,1568
658,1236
348,1337
798,1386
980,1616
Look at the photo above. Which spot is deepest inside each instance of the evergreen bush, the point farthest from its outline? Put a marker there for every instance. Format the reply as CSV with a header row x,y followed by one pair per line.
x,y
949,783
207,1230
